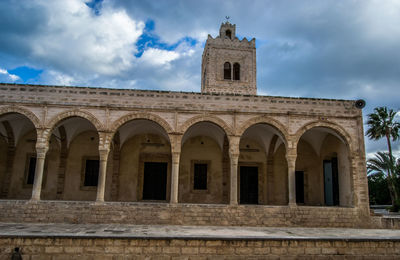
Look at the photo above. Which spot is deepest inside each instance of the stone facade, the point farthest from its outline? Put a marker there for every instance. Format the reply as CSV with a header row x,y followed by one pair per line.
x,y
182,150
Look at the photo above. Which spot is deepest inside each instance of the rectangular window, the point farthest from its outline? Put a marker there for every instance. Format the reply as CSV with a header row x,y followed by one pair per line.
x,y
200,176
31,170
91,172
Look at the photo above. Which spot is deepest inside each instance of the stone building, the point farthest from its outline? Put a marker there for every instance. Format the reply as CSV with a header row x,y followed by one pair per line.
x,y
225,156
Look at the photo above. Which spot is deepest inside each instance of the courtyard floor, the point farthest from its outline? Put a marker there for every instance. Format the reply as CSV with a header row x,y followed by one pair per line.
x,y
193,232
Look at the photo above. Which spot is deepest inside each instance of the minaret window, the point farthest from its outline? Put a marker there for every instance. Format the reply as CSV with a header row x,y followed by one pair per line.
x,y
227,70
236,71
228,34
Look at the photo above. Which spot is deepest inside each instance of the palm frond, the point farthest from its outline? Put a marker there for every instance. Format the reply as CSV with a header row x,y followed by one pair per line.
x,y
381,163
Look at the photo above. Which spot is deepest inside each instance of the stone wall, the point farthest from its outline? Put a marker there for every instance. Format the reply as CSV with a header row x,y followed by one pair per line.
x,y
181,214
50,109
137,99
108,248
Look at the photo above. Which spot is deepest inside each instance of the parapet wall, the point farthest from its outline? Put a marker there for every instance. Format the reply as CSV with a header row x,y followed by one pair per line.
x,y
181,214
165,100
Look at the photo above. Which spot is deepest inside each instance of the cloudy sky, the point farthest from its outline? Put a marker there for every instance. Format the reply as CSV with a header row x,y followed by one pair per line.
x,y
348,49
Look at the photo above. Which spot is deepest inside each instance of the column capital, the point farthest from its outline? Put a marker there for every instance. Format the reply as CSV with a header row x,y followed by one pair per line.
x,y
103,153
176,142
105,138
41,150
234,139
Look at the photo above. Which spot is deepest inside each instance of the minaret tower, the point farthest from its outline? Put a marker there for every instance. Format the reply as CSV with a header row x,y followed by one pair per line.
x,y
229,64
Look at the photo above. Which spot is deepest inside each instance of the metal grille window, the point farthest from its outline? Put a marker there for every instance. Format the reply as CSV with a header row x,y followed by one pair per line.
x,y
91,173
200,176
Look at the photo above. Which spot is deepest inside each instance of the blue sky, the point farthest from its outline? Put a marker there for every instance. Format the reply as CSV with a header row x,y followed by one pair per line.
x,y
346,49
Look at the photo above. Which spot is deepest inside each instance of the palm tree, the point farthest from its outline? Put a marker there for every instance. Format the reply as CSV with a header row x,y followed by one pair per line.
x,y
382,124
382,163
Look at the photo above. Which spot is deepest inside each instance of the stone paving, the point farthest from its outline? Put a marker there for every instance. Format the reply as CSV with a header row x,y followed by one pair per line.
x,y
194,232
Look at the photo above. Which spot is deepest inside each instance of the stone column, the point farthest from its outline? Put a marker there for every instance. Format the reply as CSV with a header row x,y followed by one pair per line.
x,y
234,178
41,150
175,139
101,186
175,177
234,158
291,161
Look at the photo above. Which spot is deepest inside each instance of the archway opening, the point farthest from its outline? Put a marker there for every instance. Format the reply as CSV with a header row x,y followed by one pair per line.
x,y
262,168
323,169
74,155
141,163
17,156
204,170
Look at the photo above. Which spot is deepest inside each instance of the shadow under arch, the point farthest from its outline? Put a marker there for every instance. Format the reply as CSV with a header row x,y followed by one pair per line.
x,y
146,116
204,173
262,166
18,136
340,132
141,147
23,111
324,170
57,119
205,118
279,127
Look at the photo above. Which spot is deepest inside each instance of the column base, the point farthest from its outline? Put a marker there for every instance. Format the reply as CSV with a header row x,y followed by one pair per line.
x,y
99,202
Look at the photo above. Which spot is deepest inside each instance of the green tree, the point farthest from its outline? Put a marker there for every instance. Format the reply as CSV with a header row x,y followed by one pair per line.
x,y
381,124
381,166
378,189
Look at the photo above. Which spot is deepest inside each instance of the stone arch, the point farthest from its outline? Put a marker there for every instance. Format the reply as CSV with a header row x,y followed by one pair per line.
x,y
72,113
206,118
133,116
52,123
23,111
333,126
265,120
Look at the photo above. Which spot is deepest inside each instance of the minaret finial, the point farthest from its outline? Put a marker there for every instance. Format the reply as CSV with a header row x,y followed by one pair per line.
x,y
227,18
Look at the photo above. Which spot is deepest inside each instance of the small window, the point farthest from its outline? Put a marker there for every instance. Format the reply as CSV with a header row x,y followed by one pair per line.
x,y
236,71
31,170
227,70
228,34
91,173
200,176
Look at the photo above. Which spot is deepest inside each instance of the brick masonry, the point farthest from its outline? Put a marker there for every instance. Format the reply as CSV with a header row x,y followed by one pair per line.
x,y
185,214
107,248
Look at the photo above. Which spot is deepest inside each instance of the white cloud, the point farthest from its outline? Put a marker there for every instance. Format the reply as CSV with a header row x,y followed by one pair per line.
x,y
75,39
5,76
52,77
159,57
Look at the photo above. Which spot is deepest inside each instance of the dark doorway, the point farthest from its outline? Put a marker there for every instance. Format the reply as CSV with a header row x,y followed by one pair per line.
x,y
155,181
248,185
331,182
335,178
300,187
